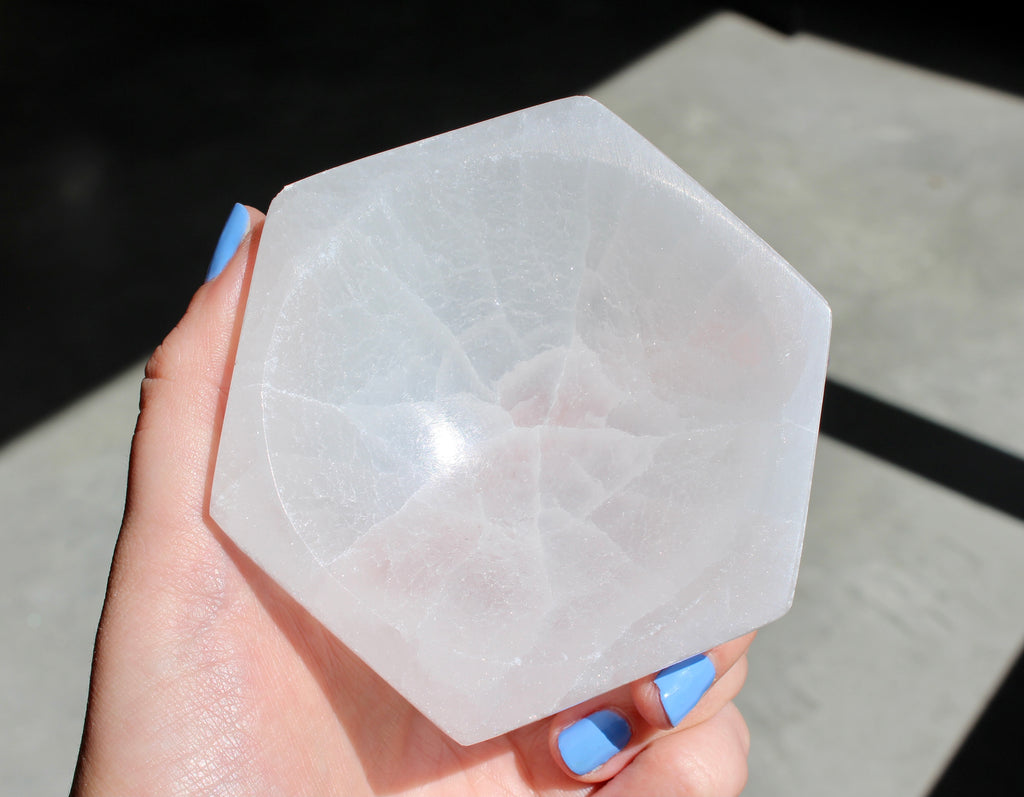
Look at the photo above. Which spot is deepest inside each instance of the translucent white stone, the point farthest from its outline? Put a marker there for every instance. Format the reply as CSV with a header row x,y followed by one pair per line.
x,y
521,413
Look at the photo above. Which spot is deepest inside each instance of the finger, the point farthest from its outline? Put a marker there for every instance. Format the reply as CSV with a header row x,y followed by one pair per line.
x,y
597,744
161,642
706,759
676,695
185,386
594,740
180,409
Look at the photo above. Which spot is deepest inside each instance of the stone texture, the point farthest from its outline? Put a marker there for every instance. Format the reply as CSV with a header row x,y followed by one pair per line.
x,y
522,413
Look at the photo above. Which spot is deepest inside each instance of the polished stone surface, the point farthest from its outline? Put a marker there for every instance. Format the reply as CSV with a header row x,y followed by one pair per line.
x,y
522,413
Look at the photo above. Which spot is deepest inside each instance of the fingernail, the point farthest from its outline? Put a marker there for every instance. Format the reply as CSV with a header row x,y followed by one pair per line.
x,y
589,742
231,236
682,685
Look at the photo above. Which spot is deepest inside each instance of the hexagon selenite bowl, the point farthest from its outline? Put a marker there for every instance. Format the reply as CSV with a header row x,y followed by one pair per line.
x,y
522,413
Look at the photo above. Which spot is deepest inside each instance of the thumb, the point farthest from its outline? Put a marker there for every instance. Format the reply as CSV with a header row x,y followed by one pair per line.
x,y
170,593
185,387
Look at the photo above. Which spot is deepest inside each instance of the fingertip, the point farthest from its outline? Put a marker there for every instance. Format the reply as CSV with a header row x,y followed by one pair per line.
x,y
235,229
667,698
589,743
681,686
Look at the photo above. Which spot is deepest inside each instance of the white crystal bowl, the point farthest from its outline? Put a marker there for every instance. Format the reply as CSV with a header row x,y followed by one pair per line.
x,y
522,413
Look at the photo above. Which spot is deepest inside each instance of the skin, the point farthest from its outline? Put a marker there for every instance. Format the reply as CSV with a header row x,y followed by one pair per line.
x,y
208,678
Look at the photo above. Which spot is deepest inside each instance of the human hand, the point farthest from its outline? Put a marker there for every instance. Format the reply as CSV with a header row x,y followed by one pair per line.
x,y
209,678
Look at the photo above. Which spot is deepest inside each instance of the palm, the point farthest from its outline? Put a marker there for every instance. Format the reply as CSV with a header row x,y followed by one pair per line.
x,y
368,735
234,685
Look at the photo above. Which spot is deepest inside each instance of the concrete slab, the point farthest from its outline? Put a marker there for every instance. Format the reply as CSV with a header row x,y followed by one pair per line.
x,y
62,490
906,617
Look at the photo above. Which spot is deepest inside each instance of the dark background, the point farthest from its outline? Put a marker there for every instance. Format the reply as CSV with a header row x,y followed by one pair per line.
x,y
129,130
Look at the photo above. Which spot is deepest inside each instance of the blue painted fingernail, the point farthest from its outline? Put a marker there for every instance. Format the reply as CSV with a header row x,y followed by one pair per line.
x,y
231,236
589,742
682,685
